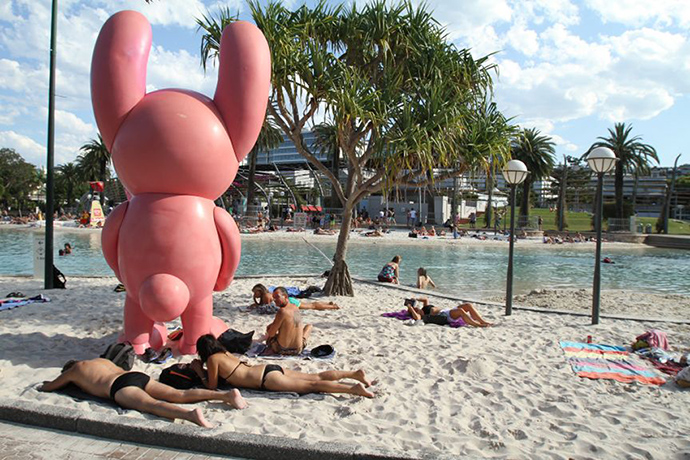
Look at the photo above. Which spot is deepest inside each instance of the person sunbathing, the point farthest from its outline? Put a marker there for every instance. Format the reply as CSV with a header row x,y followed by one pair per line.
x,y
423,279
135,390
321,231
262,298
222,366
466,311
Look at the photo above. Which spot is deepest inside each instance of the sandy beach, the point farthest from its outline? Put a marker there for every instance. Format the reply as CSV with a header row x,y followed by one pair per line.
x,y
500,392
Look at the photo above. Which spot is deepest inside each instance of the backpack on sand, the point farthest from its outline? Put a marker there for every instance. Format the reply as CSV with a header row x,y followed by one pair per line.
x,y
59,279
180,376
121,354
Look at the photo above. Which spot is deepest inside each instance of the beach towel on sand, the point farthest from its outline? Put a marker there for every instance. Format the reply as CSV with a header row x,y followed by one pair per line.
x,y
261,351
404,315
8,304
594,361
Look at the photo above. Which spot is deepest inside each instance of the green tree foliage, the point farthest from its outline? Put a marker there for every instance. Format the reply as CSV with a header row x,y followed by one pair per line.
x,y
537,152
633,156
69,184
400,96
94,161
18,179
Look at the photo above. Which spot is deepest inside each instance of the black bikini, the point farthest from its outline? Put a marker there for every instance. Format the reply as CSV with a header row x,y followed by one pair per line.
x,y
267,370
129,379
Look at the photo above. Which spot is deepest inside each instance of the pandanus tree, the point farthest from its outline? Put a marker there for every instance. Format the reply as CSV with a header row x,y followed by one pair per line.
x,y
537,152
398,94
633,155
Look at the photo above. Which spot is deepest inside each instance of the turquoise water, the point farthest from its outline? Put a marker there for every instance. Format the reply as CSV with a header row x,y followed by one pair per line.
x,y
468,270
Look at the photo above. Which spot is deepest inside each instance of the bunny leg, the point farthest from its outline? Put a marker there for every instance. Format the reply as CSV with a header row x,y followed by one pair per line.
x,y
138,326
196,321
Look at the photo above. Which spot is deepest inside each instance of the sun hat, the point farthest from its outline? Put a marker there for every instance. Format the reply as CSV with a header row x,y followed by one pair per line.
x,y
322,351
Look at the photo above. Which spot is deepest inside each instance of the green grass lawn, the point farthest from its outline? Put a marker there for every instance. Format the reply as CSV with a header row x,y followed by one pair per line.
x,y
581,222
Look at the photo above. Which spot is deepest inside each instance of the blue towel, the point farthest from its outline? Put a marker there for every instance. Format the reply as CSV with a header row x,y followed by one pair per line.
x,y
291,290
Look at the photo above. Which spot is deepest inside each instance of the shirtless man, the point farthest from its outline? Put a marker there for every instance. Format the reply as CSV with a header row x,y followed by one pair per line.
x,y
135,390
286,335
466,311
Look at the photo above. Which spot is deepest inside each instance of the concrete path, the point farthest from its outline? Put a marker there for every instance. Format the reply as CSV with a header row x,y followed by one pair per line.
x,y
25,442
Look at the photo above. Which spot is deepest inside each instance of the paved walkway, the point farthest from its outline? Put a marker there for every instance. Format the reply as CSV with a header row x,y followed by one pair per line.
x,y
25,442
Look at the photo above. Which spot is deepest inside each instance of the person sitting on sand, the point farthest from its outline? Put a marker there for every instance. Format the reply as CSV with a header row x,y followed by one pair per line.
x,y
389,272
135,390
423,279
432,231
286,335
466,311
263,299
222,366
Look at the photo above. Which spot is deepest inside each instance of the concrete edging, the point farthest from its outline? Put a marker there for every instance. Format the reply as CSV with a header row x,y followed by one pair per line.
x,y
186,437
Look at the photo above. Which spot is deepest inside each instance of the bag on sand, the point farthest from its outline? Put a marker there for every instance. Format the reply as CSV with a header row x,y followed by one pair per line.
x,y
236,341
59,279
180,376
121,354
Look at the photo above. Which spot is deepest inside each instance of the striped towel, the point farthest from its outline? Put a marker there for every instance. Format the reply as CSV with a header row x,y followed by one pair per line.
x,y
595,361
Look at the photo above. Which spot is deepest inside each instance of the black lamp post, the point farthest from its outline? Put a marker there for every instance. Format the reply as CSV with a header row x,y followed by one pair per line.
x,y
601,160
50,186
514,173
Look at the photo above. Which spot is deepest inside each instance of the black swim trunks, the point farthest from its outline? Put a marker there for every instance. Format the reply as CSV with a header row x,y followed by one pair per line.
x,y
427,309
129,379
267,370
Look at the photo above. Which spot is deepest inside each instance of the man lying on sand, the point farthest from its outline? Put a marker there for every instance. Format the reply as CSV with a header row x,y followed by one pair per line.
x,y
135,390
286,335
224,367
264,301
466,311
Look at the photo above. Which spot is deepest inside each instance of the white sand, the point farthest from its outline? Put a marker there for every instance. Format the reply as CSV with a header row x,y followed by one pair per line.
x,y
504,392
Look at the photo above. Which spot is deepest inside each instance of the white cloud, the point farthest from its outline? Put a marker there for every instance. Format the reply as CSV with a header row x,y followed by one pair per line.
x,y
179,69
523,40
550,11
32,151
640,12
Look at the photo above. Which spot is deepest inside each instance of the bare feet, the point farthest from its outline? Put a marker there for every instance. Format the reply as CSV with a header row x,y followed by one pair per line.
x,y
196,416
361,377
235,399
358,389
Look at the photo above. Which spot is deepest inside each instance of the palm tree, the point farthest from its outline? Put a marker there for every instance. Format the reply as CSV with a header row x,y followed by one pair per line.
x,y
69,178
269,138
537,153
94,161
632,154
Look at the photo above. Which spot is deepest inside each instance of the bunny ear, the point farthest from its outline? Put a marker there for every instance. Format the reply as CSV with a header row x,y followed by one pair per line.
x,y
244,81
118,70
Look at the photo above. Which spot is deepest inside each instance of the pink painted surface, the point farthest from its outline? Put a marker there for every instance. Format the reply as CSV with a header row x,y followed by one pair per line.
x,y
175,152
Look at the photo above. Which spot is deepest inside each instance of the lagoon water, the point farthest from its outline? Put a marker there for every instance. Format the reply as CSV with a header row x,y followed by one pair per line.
x,y
470,270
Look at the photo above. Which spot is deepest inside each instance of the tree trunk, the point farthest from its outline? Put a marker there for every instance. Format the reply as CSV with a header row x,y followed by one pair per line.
x,y
490,189
251,178
634,195
339,281
619,189
524,204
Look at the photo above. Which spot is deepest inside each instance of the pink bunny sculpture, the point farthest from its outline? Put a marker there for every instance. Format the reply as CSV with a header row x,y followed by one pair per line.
x,y
175,151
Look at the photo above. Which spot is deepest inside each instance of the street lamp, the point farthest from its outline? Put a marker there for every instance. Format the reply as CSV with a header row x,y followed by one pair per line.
x,y
601,160
514,173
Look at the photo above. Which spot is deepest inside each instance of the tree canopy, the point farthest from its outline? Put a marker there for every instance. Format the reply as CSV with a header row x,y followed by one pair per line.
x,y
402,99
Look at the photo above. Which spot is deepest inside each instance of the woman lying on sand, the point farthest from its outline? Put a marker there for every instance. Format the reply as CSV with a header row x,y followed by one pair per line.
x,y
466,311
224,367
263,298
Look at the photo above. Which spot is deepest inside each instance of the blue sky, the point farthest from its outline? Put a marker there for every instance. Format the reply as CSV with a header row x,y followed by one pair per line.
x,y
569,68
